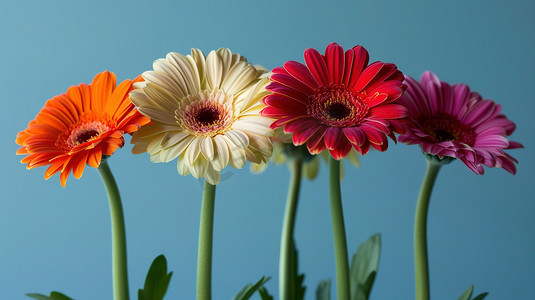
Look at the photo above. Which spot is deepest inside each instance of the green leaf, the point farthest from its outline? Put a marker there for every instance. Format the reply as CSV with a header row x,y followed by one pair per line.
x,y
53,296
481,296
364,268
298,289
323,291
250,289
467,294
264,295
157,280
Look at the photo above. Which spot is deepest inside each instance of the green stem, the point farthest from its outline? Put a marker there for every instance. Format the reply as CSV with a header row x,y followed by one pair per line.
x,y
339,233
421,269
204,258
118,233
286,263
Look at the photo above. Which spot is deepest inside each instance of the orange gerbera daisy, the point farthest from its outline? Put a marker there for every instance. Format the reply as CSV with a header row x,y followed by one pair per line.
x,y
78,127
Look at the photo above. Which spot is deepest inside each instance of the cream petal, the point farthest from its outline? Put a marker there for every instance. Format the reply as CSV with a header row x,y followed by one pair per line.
x,y
192,151
237,157
262,144
181,166
214,70
221,155
253,96
164,78
258,125
239,138
139,98
154,144
212,176
236,58
207,148
173,137
258,168
139,84
155,157
178,85
198,167
152,129
239,77
253,156
184,72
200,61
226,59
162,97
140,146
171,153
253,111
198,74
158,114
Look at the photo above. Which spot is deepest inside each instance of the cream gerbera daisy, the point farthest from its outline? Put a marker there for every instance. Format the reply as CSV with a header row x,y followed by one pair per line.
x,y
205,111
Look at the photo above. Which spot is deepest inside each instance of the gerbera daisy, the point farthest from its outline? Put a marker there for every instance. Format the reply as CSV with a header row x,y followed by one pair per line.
x,y
337,101
452,121
79,127
205,111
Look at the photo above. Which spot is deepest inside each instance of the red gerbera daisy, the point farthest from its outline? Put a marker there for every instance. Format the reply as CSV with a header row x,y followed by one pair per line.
x,y
337,101
77,128
452,121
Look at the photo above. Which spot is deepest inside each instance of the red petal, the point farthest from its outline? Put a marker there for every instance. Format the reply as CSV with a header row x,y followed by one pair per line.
x,y
316,65
388,111
334,55
301,73
292,82
360,61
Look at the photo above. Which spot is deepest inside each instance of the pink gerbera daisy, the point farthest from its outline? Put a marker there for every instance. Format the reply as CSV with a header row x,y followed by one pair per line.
x,y
453,121
337,101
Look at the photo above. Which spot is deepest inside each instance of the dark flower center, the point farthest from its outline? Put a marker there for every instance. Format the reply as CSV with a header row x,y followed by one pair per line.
x,y
207,115
443,127
86,136
443,135
337,106
82,132
338,111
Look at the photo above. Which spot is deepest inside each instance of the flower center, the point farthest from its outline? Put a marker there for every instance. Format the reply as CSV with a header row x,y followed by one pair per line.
x,y
443,127
86,136
205,114
337,106
82,132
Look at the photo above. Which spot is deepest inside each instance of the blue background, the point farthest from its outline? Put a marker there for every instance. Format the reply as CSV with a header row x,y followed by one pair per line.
x,y
481,228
